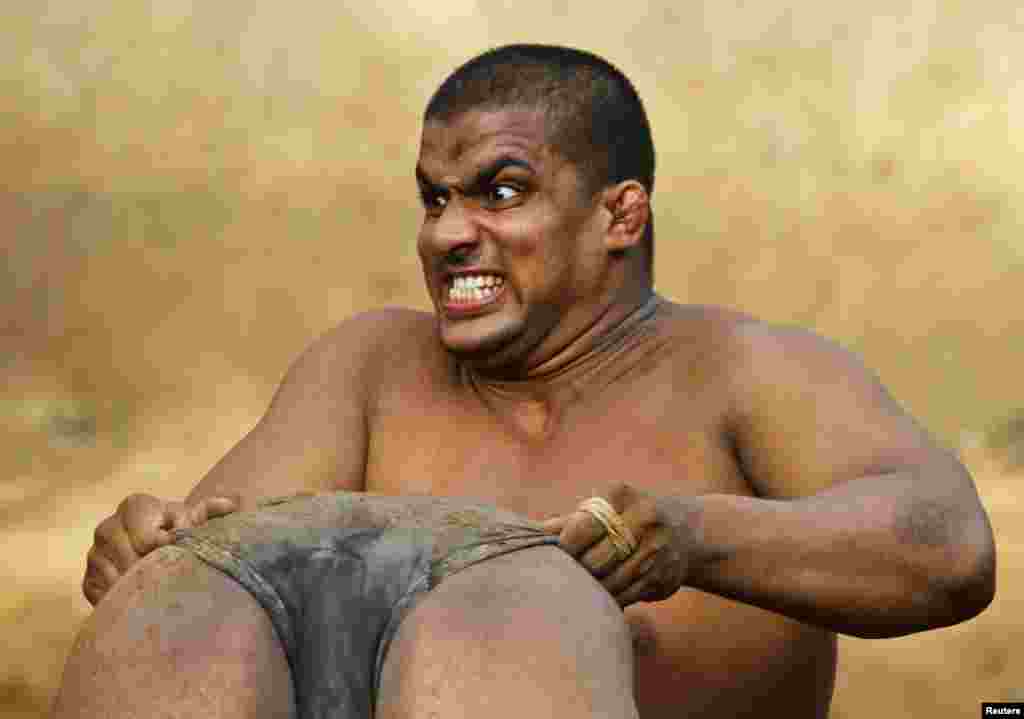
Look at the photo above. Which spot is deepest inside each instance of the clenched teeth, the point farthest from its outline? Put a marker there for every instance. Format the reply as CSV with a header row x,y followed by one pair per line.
x,y
473,288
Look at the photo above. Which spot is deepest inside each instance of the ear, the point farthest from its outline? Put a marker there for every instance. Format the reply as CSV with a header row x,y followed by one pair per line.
x,y
630,208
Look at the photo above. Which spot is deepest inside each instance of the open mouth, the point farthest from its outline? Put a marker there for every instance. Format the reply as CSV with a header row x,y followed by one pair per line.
x,y
465,291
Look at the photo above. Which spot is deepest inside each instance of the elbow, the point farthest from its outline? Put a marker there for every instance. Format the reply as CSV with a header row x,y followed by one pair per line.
x,y
950,581
977,588
961,590
954,559
969,586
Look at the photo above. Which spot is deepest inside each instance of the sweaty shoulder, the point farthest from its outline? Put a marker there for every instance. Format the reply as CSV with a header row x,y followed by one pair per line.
x,y
745,350
704,341
369,344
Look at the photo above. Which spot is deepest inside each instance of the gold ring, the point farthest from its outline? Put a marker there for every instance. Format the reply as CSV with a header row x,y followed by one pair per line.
x,y
619,534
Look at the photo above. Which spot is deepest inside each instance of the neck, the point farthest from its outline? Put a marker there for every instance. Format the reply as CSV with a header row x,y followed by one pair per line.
x,y
575,367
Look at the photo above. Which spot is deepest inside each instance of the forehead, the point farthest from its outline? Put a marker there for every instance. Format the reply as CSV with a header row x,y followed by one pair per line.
x,y
475,136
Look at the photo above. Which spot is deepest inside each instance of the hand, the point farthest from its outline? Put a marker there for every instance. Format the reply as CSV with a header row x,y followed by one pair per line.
x,y
141,524
664,550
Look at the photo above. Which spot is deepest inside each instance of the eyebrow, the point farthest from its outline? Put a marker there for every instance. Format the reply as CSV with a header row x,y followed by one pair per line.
x,y
482,178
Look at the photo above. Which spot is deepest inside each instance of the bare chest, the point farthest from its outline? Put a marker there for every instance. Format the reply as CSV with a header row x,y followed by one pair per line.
x,y
539,463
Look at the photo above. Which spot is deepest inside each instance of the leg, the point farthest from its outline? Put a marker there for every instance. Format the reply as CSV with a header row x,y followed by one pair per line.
x,y
176,638
525,634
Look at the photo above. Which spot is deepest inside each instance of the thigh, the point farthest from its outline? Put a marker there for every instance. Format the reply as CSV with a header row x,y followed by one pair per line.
x,y
176,638
529,633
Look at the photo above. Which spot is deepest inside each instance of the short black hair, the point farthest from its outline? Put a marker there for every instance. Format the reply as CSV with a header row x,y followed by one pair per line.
x,y
595,118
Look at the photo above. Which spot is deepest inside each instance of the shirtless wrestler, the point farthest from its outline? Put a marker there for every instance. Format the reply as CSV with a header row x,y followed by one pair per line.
x,y
776,493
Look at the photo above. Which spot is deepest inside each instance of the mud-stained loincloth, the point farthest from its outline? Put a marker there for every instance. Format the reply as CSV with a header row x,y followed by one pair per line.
x,y
336,573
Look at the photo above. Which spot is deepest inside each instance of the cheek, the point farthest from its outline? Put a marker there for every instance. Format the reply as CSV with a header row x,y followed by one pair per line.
x,y
532,237
422,238
537,257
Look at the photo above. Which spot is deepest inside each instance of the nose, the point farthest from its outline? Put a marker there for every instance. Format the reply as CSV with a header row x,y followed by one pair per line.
x,y
454,234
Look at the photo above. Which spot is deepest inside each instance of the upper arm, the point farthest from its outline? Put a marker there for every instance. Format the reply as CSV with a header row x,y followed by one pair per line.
x,y
807,415
313,436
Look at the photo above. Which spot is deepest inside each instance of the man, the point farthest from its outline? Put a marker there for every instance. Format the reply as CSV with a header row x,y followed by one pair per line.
x,y
765,491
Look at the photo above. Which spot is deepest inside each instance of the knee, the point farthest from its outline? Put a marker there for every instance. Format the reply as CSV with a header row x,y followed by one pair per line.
x,y
170,623
525,596
168,601
514,631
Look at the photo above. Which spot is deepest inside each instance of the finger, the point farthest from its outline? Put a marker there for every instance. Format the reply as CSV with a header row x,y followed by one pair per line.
x,y
555,525
100,576
177,515
113,542
581,532
140,504
601,558
142,516
636,592
206,509
630,570
93,589
219,506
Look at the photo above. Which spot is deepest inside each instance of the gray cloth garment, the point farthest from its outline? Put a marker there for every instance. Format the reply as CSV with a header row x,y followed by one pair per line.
x,y
336,573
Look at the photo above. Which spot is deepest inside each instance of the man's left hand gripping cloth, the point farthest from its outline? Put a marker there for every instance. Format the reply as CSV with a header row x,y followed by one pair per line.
x,y
336,573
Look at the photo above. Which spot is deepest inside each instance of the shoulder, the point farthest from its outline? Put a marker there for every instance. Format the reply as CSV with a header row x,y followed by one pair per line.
x,y
375,330
744,335
358,350
767,355
769,367
757,367
743,345
707,342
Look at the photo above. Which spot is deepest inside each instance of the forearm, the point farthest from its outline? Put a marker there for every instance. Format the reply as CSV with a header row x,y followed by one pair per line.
x,y
263,466
868,557
251,485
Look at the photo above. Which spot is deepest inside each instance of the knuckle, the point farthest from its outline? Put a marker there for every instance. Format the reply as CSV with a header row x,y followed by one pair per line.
x,y
144,537
179,514
141,540
105,530
93,585
646,515
647,564
220,506
618,493
582,529
130,502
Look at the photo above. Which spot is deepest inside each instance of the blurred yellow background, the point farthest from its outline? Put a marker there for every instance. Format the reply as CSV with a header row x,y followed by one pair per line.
x,y
191,191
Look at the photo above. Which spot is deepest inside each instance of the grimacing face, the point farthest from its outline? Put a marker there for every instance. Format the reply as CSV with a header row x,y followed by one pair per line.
x,y
510,243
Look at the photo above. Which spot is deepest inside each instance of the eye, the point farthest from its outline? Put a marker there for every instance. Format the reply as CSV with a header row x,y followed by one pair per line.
x,y
503,193
434,202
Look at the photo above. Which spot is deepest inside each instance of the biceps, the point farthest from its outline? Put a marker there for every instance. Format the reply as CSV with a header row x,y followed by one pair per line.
x,y
824,420
292,450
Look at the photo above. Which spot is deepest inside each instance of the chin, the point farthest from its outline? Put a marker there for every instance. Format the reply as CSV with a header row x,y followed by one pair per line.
x,y
476,339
